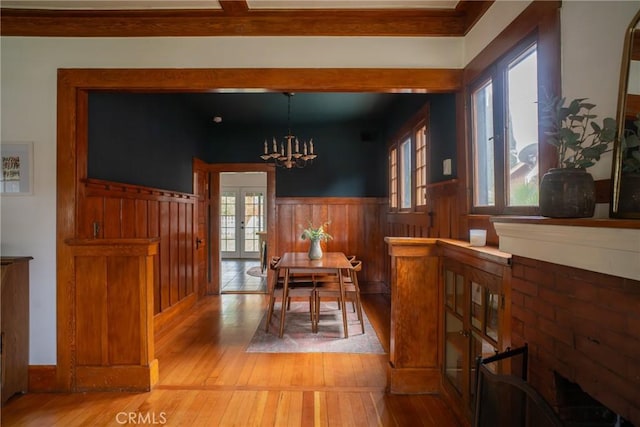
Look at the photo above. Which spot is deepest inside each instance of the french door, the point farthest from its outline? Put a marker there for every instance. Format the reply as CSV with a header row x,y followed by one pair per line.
x,y
242,215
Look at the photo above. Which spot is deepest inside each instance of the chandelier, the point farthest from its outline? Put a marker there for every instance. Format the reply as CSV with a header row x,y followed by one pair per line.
x,y
289,155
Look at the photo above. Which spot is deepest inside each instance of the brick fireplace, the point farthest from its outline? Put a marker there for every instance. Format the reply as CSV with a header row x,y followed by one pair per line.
x,y
582,327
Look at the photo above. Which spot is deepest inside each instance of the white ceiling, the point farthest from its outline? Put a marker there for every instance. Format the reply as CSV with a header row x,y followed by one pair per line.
x,y
213,4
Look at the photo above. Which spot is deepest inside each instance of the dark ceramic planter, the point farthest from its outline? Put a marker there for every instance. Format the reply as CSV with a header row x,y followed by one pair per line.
x,y
629,196
567,193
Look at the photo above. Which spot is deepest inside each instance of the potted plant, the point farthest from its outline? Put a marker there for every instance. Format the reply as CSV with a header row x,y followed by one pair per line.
x,y
629,198
315,236
568,191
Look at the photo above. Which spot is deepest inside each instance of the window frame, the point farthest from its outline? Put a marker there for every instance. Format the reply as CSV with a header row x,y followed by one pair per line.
x,y
408,131
496,73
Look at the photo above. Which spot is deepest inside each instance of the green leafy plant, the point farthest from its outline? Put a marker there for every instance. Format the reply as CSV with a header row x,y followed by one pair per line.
x,y
573,130
630,144
316,233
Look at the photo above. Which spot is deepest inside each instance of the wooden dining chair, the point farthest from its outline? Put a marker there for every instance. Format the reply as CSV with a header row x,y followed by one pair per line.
x,y
329,288
299,286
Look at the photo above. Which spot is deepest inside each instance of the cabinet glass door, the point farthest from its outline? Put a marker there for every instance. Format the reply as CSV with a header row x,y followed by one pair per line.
x,y
456,338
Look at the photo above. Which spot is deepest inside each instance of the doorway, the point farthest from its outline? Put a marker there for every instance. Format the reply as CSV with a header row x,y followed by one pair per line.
x,y
243,225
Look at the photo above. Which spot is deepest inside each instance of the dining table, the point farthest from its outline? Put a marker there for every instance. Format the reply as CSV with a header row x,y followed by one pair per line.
x,y
299,262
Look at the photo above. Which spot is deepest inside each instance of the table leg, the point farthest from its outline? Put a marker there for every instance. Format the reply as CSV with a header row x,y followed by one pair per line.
x,y
285,291
343,305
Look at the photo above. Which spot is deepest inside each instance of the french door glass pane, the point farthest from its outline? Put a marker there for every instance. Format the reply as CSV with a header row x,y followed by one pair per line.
x,y
228,221
483,141
522,130
405,174
253,220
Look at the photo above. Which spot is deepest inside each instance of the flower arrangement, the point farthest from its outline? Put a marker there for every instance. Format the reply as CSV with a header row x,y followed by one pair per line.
x,y
316,233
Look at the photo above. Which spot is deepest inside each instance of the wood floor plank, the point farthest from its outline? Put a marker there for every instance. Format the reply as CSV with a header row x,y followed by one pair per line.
x,y
207,379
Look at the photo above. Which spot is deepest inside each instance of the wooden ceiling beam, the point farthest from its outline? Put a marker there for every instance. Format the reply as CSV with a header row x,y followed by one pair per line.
x,y
233,20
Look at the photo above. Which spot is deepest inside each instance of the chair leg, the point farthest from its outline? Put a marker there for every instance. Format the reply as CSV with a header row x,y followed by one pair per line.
x,y
359,307
272,301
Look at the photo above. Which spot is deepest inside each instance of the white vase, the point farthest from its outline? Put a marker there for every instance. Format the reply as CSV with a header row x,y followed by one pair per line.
x,y
315,250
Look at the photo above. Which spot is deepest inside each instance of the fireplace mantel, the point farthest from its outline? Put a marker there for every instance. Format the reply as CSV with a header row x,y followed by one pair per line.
x,y
601,245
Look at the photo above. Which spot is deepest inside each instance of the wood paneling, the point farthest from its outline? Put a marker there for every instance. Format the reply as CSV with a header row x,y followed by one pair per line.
x,y
235,19
113,314
440,220
14,326
42,378
354,223
415,302
124,211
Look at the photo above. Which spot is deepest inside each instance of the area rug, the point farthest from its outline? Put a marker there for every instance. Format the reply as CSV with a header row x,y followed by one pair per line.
x,y
256,272
298,337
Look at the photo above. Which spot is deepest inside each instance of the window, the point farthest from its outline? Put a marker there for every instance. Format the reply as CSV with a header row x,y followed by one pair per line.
x,y
421,166
504,134
393,178
405,174
408,166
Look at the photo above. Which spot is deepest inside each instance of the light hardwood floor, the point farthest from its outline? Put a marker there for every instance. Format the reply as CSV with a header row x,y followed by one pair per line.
x,y
207,379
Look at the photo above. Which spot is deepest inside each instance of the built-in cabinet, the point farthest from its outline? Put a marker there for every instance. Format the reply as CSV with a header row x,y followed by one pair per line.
x,y
475,320
14,346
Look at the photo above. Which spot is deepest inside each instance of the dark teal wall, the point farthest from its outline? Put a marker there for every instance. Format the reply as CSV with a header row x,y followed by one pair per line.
x,y
350,157
442,135
442,128
147,140
151,139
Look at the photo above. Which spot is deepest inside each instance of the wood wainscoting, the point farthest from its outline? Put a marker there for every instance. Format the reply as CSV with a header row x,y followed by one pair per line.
x,y
113,338
438,219
111,210
357,225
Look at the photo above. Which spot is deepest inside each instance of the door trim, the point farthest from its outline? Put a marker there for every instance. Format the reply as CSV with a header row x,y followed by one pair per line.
x,y
216,169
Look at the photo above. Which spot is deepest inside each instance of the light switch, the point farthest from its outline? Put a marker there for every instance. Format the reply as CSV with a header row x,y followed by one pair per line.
x,y
446,167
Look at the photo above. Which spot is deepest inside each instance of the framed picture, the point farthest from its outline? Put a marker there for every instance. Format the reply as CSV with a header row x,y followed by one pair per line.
x,y
17,168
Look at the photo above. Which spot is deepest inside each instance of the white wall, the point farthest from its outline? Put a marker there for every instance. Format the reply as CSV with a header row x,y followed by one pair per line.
x,y
28,92
28,101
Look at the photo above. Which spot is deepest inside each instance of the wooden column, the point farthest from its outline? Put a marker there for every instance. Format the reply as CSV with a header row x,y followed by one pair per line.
x,y
113,319
413,359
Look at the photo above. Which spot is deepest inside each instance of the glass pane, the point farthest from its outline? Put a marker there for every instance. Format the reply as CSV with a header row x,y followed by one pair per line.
x,y
228,222
421,166
449,289
460,294
482,139
393,178
254,220
405,174
476,306
522,109
454,349
493,302
479,347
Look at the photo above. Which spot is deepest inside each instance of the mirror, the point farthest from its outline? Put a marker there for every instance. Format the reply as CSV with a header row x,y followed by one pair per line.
x,y
625,173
